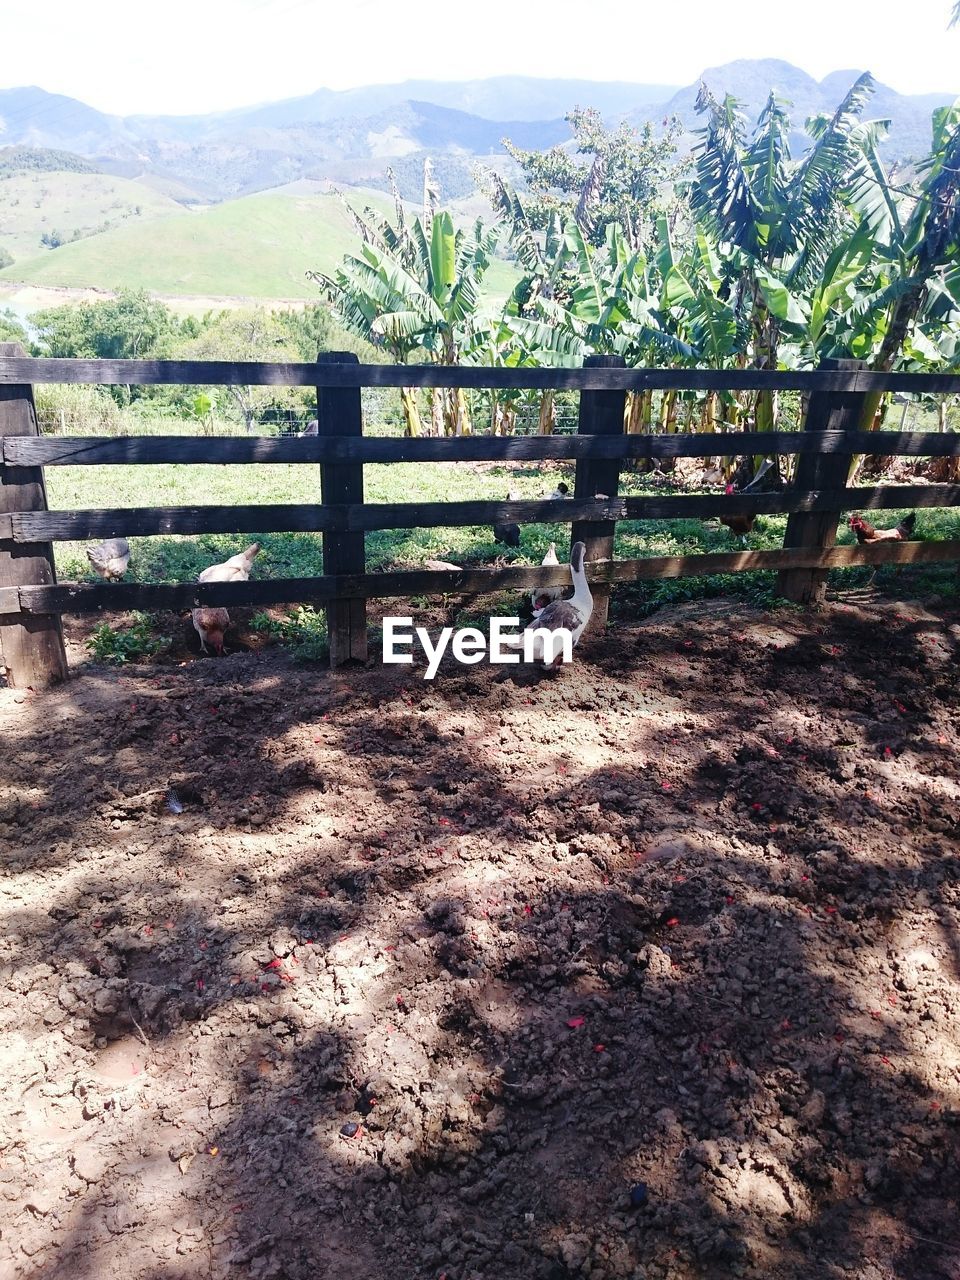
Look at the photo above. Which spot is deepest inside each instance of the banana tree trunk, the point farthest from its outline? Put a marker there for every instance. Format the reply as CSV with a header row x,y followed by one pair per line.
x,y
708,412
548,418
461,413
633,416
411,411
436,411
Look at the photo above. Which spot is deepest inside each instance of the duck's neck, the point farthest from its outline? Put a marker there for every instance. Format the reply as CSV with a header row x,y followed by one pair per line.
x,y
581,591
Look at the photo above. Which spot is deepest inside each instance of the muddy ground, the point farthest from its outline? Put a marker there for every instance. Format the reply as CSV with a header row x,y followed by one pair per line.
x,y
424,979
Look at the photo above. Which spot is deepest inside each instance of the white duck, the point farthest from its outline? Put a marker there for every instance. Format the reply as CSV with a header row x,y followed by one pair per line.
x,y
562,615
236,569
542,596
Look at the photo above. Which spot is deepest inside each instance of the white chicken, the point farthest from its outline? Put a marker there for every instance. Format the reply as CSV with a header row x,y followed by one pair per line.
x,y
542,596
236,569
110,559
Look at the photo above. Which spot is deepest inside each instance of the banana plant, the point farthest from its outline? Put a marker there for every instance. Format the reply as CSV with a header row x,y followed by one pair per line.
x,y
413,291
775,223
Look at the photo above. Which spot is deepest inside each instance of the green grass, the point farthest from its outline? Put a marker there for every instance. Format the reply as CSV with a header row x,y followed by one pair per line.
x,y
259,246
180,559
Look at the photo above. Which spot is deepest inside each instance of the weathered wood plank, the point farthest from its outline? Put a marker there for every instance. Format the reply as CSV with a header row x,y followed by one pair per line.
x,y
31,649
71,451
833,411
339,411
62,526
259,373
70,597
601,414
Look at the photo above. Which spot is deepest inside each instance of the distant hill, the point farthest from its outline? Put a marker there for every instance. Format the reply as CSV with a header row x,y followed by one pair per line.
x,y
352,135
751,80
39,199
259,246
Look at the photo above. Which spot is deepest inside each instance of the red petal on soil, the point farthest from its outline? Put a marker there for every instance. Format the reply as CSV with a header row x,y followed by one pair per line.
x,y
148,929
679,879
888,751
729,900
573,1023
830,910
599,1048
934,1106
528,911
885,1059
200,984
202,946
666,786
756,807
839,1037
786,1025
673,922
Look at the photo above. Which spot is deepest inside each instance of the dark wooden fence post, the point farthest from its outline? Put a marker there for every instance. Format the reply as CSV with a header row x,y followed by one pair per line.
x,y
339,414
601,414
827,411
31,644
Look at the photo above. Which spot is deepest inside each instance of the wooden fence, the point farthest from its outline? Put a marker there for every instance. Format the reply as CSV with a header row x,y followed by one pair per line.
x,y
31,600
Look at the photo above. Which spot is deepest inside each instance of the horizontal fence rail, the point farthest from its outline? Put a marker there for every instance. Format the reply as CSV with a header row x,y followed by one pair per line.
x,y
835,398
77,451
366,517
24,370
73,597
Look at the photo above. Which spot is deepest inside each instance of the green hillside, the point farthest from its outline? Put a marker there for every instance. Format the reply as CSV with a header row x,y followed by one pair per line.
x,y
259,246
36,202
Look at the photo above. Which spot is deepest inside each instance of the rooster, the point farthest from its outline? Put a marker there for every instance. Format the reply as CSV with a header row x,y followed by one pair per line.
x,y
210,625
110,558
867,532
742,524
236,569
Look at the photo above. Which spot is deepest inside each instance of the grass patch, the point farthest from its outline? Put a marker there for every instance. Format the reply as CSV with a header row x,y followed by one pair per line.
x,y
119,645
303,630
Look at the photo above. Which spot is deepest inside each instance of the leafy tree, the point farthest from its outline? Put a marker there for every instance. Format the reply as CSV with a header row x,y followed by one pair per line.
x,y
130,326
11,330
622,177
246,335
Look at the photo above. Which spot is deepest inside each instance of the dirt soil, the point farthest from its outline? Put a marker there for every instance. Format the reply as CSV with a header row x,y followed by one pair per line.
x,y
424,979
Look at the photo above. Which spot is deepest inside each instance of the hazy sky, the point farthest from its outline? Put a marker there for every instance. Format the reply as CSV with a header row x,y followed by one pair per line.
x,y
182,56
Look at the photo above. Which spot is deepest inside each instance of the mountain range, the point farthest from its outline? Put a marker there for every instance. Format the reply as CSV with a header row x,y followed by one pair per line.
x,y
351,136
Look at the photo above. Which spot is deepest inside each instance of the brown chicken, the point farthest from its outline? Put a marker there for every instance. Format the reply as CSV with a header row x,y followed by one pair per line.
x,y
867,532
210,625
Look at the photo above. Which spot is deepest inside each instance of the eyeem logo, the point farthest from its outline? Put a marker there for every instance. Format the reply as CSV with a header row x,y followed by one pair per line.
x,y
470,646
